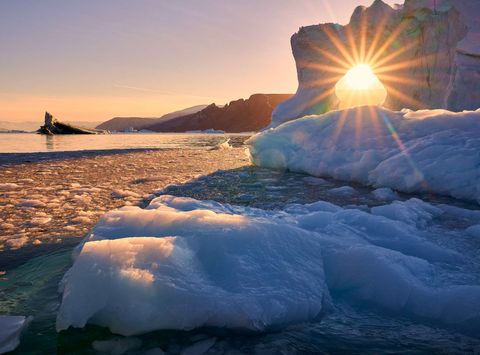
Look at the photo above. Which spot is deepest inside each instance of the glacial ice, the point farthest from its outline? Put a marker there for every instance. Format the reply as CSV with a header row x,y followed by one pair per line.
x,y
181,264
425,52
434,151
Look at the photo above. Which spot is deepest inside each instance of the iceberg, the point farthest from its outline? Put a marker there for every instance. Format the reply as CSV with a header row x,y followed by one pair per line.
x,y
184,264
427,151
425,52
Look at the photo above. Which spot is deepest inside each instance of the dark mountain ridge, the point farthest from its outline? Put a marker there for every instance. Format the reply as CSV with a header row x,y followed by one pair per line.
x,y
237,116
138,123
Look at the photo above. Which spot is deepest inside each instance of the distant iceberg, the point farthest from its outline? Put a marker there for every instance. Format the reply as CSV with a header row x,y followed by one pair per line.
x,y
433,151
183,264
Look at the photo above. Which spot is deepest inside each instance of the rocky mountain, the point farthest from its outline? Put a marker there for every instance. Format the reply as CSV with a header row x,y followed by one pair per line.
x,y
138,123
425,52
237,116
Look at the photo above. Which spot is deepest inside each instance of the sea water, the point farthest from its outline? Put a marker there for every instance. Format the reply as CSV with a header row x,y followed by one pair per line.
x,y
30,142
31,289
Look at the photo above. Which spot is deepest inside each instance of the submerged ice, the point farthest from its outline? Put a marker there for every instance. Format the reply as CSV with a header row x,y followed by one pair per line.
x,y
181,264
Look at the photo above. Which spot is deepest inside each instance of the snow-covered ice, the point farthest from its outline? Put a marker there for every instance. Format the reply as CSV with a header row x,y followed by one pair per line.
x,y
181,264
434,151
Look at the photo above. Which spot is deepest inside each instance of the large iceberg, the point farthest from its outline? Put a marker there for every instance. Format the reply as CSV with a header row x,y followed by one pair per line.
x,y
433,151
182,264
426,53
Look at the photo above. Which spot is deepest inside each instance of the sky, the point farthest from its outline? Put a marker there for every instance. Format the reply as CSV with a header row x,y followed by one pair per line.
x,y
90,60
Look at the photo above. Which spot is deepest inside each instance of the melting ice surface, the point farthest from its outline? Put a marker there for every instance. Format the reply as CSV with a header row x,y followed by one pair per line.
x,y
182,264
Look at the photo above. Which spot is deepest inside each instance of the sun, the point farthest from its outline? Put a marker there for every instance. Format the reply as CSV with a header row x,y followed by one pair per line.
x,y
360,86
360,77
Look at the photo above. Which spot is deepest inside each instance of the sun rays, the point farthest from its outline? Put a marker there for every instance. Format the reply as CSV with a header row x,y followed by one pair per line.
x,y
384,47
364,64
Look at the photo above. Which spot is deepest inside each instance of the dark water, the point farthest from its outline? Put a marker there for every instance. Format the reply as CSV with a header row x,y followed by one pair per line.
x,y
31,289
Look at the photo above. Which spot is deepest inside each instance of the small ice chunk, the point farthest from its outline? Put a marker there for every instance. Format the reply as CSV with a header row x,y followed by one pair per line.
x,y
6,226
312,180
385,194
81,220
223,146
8,186
31,203
343,191
11,328
17,242
124,193
35,221
413,211
473,231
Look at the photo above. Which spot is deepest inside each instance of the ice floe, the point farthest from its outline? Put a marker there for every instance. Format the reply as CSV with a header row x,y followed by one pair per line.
x,y
11,328
170,268
181,264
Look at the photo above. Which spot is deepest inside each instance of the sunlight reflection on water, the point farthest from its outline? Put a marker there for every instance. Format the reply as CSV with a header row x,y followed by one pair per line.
x,y
29,142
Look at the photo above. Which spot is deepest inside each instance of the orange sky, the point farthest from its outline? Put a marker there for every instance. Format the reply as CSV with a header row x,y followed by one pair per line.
x,y
86,60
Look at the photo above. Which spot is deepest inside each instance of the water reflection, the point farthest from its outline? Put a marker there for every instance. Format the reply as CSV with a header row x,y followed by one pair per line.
x,y
50,143
29,143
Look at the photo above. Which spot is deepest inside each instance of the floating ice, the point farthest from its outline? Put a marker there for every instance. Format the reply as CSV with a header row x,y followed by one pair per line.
x,y
31,203
10,329
412,212
124,193
183,264
8,186
343,191
173,269
385,194
424,151
473,231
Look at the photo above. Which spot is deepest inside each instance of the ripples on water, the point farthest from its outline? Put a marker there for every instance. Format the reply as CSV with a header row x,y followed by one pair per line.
x,y
31,289
29,142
